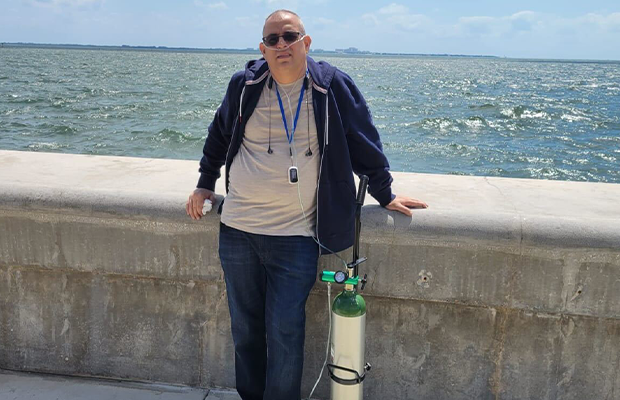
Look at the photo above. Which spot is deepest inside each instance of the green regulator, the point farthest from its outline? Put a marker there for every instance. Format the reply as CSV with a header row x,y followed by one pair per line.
x,y
347,367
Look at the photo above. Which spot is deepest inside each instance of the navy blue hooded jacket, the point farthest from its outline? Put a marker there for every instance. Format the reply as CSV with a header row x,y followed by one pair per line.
x,y
348,142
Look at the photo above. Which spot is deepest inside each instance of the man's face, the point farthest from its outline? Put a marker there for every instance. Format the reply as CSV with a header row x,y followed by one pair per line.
x,y
283,57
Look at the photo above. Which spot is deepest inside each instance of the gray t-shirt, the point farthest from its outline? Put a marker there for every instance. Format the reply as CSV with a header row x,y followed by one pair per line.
x,y
260,198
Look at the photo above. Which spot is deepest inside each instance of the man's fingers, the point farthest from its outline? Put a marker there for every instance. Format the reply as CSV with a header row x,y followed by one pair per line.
x,y
401,208
198,204
398,206
187,208
415,203
195,210
410,202
191,211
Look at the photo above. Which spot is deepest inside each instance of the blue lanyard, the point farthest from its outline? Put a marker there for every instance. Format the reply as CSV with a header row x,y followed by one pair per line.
x,y
301,97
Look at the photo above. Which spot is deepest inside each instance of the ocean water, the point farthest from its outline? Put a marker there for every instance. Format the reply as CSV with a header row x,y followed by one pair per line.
x,y
465,116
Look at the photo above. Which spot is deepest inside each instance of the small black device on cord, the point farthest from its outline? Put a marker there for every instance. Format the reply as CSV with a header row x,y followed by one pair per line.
x,y
293,175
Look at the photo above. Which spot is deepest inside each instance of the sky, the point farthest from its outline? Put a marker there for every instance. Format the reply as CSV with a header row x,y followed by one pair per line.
x,y
565,29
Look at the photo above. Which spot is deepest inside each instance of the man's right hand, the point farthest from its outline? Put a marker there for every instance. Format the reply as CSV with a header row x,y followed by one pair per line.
x,y
196,201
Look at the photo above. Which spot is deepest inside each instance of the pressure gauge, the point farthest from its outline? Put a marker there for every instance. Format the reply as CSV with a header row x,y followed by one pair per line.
x,y
340,277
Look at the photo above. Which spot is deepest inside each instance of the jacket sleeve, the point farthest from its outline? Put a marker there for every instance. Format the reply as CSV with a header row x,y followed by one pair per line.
x,y
365,148
219,135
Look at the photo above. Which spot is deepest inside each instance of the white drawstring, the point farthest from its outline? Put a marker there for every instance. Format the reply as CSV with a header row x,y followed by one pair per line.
x,y
329,334
326,119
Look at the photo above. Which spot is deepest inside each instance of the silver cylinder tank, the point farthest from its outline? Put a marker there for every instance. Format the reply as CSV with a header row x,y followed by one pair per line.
x,y
347,350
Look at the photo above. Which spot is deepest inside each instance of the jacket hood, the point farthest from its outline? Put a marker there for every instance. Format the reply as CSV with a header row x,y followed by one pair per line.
x,y
322,73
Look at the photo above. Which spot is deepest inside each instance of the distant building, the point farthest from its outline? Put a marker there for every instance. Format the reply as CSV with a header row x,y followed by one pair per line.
x,y
350,50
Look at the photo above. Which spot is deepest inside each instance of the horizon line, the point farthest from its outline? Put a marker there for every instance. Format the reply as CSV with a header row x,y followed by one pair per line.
x,y
318,51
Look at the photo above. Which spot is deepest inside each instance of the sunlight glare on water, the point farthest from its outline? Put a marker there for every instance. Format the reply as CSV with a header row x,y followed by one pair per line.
x,y
466,116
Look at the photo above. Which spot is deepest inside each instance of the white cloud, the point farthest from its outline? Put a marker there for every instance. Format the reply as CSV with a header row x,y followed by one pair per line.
x,y
218,6
530,21
610,22
394,9
529,15
518,23
274,4
526,33
543,35
212,6
481,25
323,21
411,21
320,25
254,22
524,20
63,3
370,19
397,16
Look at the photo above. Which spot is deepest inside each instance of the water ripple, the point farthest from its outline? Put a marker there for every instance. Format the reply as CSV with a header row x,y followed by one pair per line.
x,y
543,120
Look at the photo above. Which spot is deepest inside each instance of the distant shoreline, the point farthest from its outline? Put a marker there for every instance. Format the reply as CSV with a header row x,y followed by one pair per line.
x,y
255,51
221,50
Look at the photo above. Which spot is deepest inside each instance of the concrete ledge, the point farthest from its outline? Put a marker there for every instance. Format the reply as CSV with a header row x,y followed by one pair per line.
x,y
504,288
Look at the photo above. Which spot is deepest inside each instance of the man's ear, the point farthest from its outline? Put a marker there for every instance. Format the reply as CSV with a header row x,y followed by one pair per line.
x,y
262,48
307,42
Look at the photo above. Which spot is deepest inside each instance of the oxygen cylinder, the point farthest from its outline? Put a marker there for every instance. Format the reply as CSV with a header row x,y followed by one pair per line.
x,y
347,367
347,347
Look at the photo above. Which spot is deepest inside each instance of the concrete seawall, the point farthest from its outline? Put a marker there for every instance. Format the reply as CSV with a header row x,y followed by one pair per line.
x,y
502,289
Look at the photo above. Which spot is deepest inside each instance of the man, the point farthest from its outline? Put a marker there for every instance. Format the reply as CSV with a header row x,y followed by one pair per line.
x,y
291,132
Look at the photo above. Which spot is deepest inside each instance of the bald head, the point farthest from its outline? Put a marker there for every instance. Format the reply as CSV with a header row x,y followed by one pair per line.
x,y
280,15
286,55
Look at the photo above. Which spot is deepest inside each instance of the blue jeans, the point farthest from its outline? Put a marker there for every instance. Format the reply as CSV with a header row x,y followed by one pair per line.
x,y
268,280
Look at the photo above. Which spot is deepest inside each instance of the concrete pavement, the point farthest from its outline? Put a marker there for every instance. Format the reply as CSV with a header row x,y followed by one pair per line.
x,y
21,386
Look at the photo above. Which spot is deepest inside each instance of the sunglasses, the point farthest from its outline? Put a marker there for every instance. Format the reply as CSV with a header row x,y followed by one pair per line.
x,y
290,38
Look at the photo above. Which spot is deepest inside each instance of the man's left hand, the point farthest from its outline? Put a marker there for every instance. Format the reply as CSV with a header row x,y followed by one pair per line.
x,y
404,204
